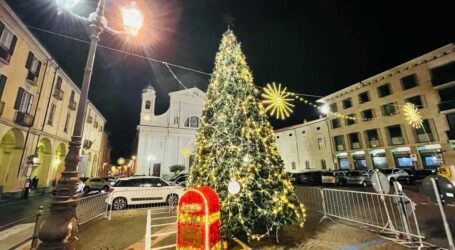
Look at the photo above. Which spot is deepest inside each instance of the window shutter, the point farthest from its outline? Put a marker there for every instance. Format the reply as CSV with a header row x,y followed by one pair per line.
x,y
29,62
13,45
38,68
2,84
20,94
30,104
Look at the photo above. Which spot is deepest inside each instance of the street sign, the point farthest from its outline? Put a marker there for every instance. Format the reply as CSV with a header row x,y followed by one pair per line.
x,y
413,157
380,182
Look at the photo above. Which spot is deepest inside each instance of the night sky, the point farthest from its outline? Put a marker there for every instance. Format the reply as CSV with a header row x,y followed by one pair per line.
x,y
313,47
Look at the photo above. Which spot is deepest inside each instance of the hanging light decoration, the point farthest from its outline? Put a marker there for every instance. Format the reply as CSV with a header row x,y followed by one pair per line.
x,y
412,115
277,101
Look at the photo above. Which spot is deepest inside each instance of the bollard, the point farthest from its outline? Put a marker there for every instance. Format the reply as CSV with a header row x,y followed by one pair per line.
x,y
36,229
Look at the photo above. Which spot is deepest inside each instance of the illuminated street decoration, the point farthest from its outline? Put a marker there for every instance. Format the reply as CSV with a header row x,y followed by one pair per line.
x,y
412,115
198,220
278,101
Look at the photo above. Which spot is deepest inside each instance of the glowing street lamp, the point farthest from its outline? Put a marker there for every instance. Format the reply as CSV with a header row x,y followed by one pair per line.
x,y
59,230
132,18
324,109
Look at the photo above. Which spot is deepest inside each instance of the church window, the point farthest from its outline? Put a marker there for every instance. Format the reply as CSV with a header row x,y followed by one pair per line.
x,y
192,122
148,104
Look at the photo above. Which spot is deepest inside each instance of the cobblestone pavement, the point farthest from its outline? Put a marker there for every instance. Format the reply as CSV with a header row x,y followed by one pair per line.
x,y
127,231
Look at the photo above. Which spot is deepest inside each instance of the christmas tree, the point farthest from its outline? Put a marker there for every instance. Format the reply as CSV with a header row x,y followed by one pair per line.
x,y
236,144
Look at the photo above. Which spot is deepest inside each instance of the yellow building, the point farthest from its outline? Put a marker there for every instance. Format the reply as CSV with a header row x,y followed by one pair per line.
x,y
377,135
38,104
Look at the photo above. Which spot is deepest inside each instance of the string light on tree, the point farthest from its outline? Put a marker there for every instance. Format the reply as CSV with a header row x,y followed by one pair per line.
x,y
412,115
278,101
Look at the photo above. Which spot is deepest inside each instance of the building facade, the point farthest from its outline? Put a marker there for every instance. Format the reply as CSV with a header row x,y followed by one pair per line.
x,y
376,134
168,139
38,103
305,146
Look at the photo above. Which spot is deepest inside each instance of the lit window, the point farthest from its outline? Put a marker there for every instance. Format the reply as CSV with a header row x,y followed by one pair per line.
x,y
192,122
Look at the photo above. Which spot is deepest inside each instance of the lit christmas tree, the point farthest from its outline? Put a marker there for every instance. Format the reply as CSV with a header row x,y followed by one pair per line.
x,y
236,144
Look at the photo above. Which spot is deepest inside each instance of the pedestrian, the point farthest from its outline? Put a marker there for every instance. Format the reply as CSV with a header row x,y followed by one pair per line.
x,y
27,187
35,182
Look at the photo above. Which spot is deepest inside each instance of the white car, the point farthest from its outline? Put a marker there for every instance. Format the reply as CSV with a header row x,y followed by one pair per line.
x,y
141,190
393,174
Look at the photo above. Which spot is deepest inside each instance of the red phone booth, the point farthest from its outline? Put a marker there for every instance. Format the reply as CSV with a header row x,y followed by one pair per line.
x,y
198,220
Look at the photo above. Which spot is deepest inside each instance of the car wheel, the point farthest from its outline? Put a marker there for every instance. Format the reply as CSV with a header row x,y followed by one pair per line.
x,y
106,189
364,184
119,203
86,190
340,182
392,180
172,199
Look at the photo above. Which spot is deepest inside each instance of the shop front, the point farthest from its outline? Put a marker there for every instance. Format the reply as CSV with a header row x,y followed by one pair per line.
x,y
358,157
379,158
431,156
343,161
402,157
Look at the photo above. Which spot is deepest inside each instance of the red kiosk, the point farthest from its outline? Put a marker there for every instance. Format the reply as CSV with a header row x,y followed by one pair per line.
x,y
198,220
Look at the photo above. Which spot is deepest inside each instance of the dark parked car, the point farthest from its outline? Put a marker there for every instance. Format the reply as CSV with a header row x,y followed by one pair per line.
x,y
416,176
358,178
310,178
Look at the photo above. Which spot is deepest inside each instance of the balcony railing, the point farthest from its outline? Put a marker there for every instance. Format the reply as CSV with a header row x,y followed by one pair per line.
x,y
446,105
340,147
397,140
374,143
32,78
355,145
23,119
72,105
2,106
58,94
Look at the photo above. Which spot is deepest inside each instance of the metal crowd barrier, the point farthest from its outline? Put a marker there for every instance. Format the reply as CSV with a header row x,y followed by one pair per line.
x,y
391,214
91,207
160,225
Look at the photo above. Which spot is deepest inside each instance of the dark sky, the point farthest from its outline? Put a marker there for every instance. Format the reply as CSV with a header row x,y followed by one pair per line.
x,y
314,47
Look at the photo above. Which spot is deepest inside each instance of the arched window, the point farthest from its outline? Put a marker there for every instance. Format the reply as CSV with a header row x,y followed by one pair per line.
x,y
148,104
192,122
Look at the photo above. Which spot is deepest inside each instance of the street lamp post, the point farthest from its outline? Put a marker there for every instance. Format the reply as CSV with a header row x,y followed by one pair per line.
x,y
60,228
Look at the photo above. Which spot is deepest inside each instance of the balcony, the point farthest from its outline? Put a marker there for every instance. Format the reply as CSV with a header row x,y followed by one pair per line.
x,y
58,94
23,119
397,140
5,56
340,147
355,145
87,144
72,105
374,143
89,119
2,106
32,78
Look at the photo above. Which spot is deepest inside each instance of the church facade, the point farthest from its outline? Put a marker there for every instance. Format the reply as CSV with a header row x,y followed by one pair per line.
x,y
168,139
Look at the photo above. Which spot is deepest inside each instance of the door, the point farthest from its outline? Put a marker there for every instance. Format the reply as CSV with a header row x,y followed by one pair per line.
x,y
157,169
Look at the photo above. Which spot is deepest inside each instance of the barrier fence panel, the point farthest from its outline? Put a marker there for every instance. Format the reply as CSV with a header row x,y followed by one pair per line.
x,y
311,197
394,214
91,207
144,198
161,229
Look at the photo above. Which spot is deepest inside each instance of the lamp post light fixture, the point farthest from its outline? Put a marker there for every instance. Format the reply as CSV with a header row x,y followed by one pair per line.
x,y
60,228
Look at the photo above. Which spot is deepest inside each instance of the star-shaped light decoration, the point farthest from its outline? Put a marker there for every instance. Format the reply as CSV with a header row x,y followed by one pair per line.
x,y
412,115
186,152
277,101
